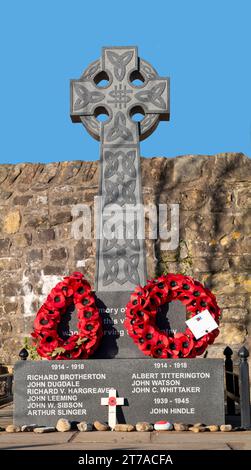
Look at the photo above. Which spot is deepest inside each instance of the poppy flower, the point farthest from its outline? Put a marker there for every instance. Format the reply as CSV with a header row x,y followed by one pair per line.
x,y
49,341
90,313
147,339
51,314
138,311
48,309
43,353
139,292
144,346
43,322
89,328
76,280
141,298
65,288
56,299
81,290
134,328
139,325
185,344
174,347
86,301
174,281
160,351
187,299
150,334
162,339
162,291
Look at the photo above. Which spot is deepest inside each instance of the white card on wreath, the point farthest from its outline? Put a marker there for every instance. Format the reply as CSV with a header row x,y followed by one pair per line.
x,y
201,324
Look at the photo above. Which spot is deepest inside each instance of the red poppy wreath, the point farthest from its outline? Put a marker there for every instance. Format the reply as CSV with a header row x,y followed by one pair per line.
x,y
74,289
142,310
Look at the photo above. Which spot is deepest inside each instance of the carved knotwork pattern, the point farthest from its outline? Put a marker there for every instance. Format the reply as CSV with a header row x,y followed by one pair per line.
x,y
85,96
92,70
113,160
119,130
120,61
148,121
121,257
120,177
154,95
91,123
130,270
120,96
115,195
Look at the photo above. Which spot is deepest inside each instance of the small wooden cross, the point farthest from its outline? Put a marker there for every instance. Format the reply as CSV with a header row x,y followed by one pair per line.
x,y
112,402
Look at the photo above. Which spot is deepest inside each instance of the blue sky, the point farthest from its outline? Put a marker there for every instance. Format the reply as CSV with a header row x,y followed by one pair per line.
x,y
204,46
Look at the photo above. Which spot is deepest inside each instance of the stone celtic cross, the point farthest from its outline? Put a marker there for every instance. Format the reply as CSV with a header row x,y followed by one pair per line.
x,y
120,264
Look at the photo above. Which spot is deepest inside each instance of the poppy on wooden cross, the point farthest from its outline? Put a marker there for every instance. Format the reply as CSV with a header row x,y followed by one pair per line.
x,y
112,402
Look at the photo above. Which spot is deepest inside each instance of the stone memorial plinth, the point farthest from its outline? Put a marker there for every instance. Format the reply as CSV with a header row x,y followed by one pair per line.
x,y
183,390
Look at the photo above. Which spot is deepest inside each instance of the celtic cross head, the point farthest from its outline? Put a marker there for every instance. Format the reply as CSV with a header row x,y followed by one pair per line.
x,y
120,98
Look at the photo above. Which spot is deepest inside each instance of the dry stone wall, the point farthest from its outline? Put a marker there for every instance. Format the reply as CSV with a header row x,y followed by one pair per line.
x,y
37,246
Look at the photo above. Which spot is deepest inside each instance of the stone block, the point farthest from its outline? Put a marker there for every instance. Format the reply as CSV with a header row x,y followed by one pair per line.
x,y
22,200
236,315
54,270
4,245
60,218
9,264
46,235
231,333
21,240
58,254
35,255
12,222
